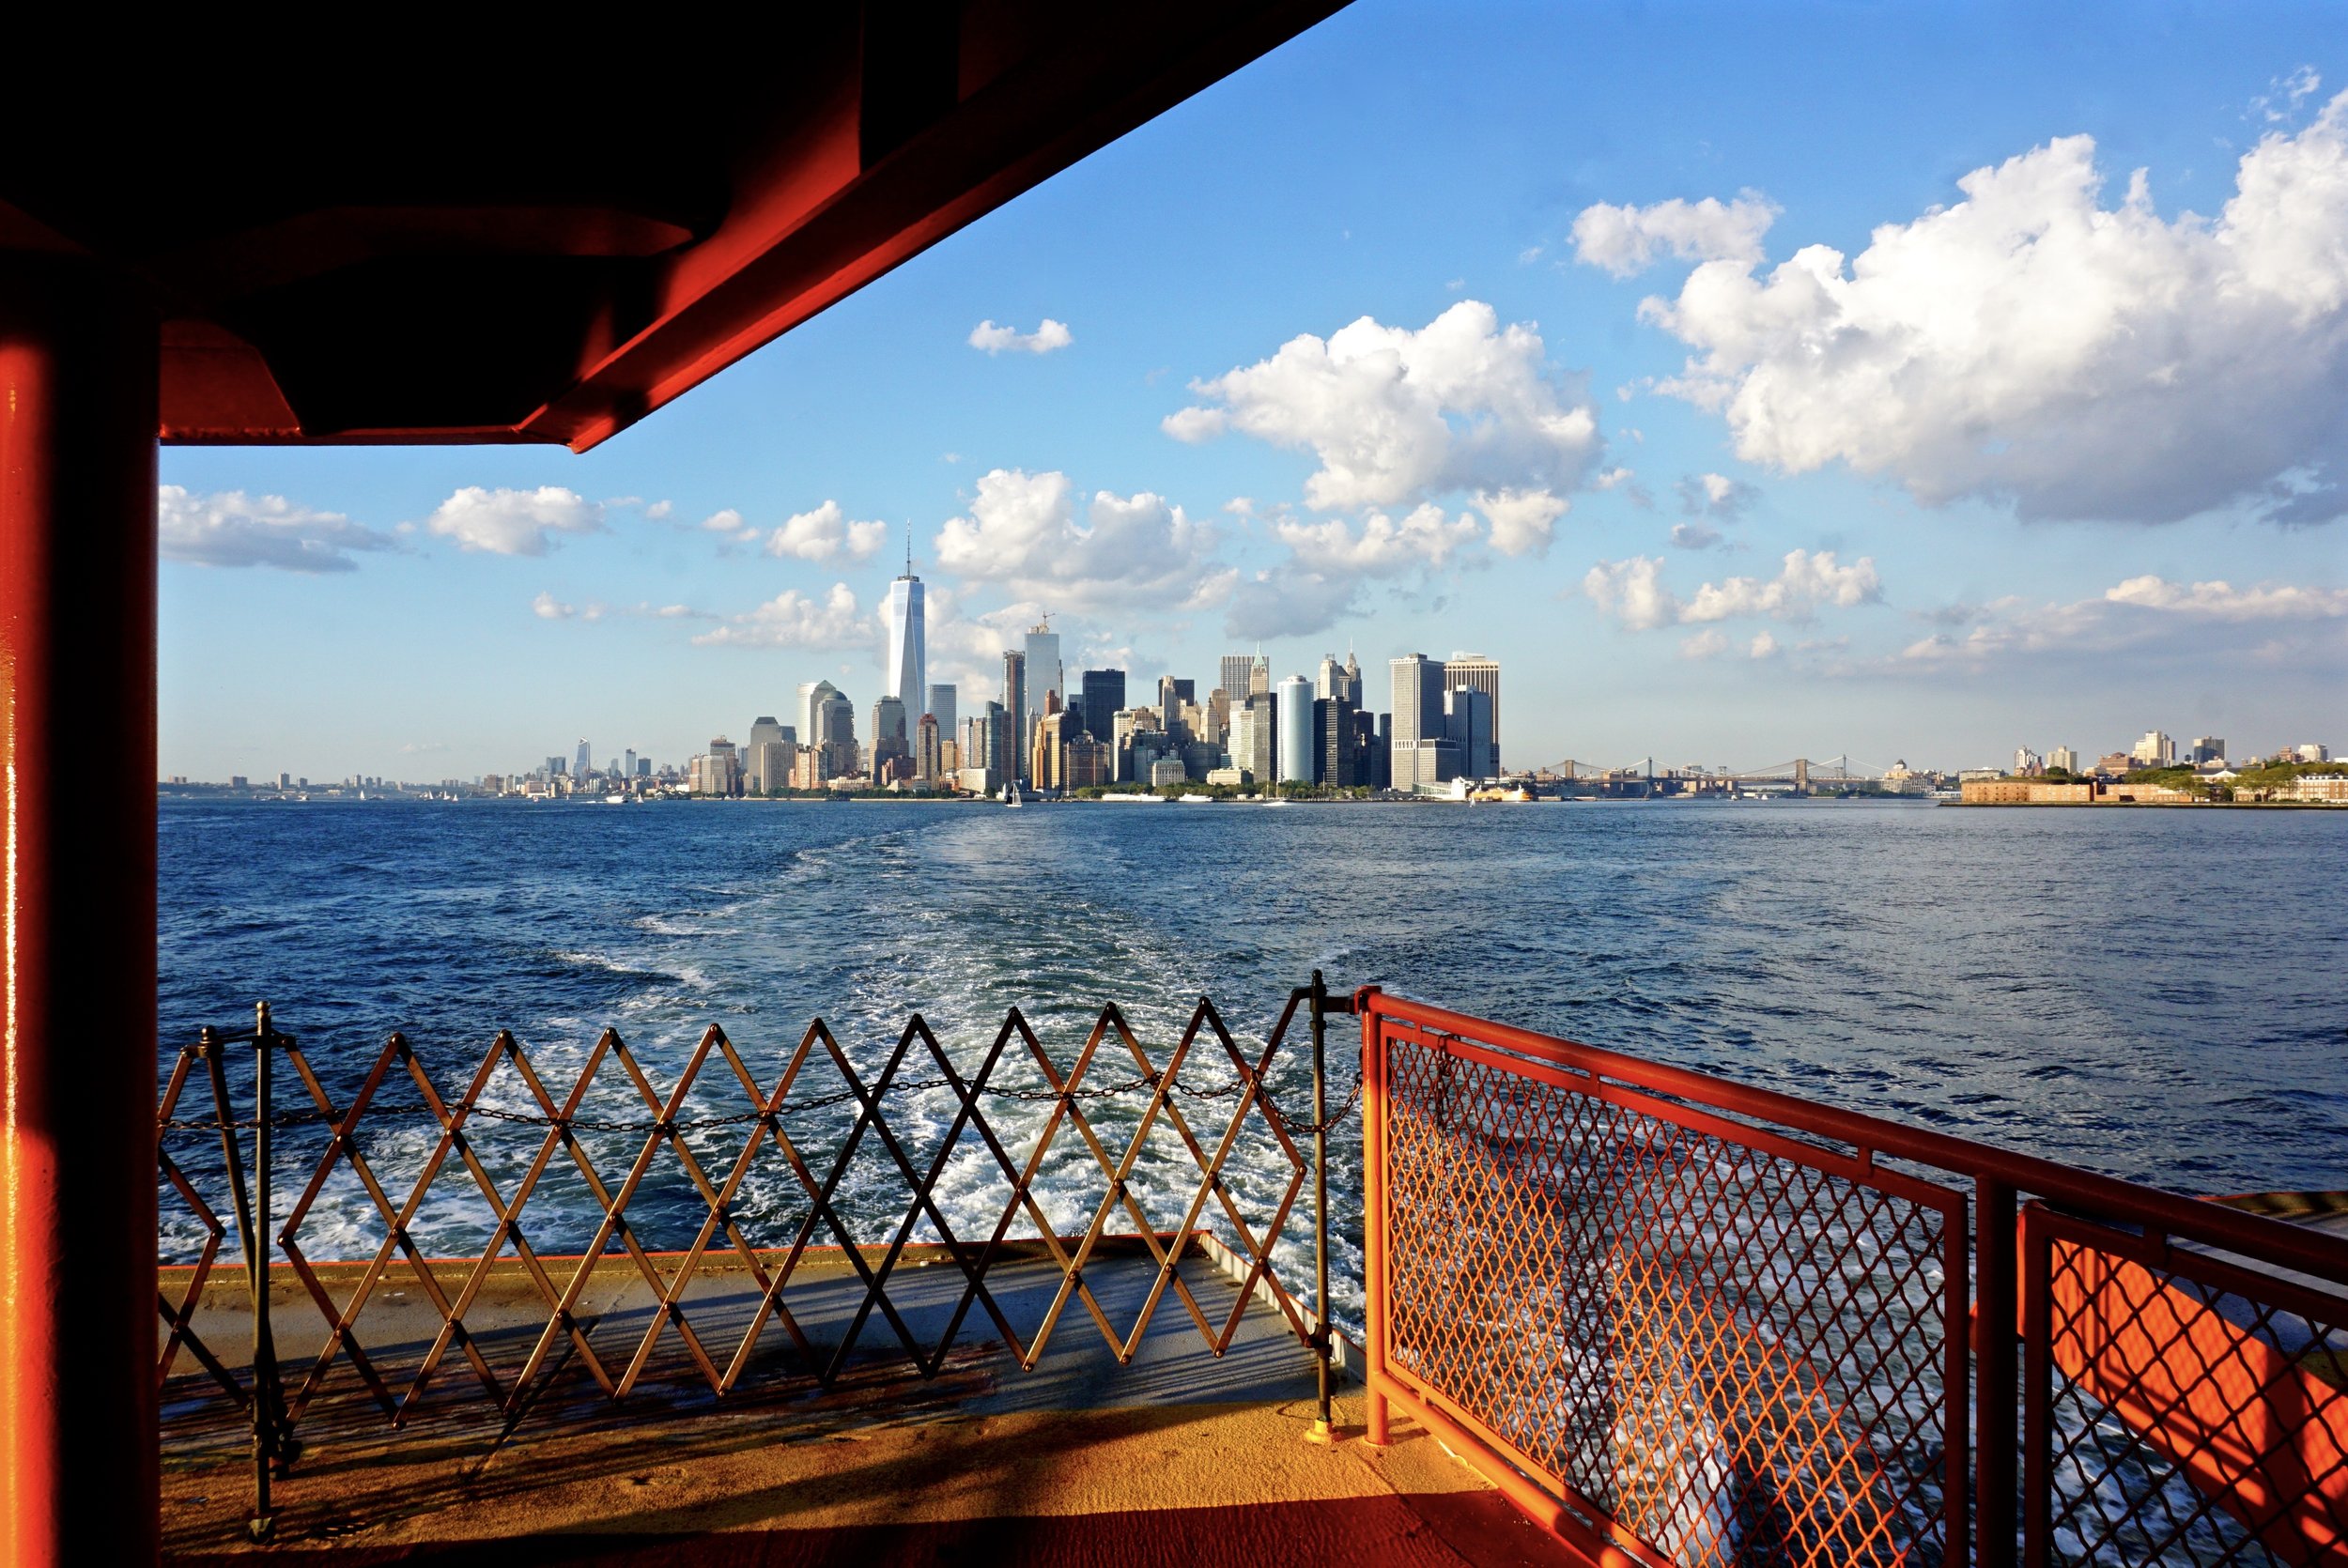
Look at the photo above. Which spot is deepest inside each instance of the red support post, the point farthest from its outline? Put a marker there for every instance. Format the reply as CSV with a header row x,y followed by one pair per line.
x,y
1373,1217
78,356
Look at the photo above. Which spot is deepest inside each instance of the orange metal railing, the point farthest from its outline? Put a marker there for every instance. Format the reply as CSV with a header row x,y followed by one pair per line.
x,y
1682,1321
1208,1091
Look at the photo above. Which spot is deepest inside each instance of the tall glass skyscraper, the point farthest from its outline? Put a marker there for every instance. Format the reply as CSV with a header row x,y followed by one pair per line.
x,y
908,676
1294,716
1044,671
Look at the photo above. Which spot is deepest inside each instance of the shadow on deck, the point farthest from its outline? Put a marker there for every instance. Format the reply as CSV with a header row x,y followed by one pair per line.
x,y
1181,1457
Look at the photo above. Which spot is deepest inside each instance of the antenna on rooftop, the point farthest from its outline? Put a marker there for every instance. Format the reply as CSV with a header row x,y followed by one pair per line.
x,y
908,547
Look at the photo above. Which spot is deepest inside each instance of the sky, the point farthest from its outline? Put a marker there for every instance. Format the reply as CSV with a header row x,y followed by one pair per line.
x,y
1753,383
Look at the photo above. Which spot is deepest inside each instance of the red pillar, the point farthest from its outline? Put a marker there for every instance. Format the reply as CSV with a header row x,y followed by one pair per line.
x,y
77,916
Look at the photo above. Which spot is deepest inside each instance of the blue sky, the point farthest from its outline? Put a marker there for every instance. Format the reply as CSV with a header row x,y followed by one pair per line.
x,y
2044,459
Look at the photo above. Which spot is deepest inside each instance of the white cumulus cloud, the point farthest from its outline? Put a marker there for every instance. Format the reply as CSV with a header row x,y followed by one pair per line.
x,y
1044,340
1633,592
231,528
1396,416
513,522
1523,522
1381,547
1022,531
2031,344
796,620
548,607
824,534
1628,239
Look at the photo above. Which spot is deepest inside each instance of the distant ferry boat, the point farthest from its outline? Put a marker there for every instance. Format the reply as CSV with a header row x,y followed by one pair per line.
x,y
1125,797
615,800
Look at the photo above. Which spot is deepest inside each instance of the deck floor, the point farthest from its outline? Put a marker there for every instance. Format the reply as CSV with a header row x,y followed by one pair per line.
x,y
1181,1457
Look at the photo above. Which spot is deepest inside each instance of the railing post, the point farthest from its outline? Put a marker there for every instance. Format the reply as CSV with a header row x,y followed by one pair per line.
x,y
258,1249
1323,1430
1373,1218
1996,1420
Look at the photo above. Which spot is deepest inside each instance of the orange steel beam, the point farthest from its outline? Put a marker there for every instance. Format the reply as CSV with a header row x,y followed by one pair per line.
x,y
78,1478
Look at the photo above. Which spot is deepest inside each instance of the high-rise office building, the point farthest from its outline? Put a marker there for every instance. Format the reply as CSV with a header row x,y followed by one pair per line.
x,y
2155,750
1214,718
942,708
1294,706
1475,672
1254,745
908,675
929,754
1232,679
724,769
1467,714
2205,748
1370,760
767,756
1333,747
1015,714
1340,680
892,742
1101,697
586,760
835,734
627,770
811,695
2064,758
1172,696
1417,715
1044,675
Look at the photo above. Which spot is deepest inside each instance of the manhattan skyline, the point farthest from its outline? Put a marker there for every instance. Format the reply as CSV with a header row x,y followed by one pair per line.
x,y
1528,259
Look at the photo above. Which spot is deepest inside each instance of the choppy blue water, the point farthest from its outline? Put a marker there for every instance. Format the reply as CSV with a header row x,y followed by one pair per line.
x,y
2158,995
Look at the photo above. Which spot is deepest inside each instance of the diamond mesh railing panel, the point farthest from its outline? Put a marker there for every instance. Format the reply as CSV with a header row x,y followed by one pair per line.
x,y
1734,1353
2183,1409
698,1142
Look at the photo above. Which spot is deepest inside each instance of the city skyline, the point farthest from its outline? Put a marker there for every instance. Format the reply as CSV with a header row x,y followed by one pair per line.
x,y
1585,454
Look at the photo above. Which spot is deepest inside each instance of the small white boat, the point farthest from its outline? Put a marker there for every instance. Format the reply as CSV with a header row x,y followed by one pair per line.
x,y
1011,796
615,800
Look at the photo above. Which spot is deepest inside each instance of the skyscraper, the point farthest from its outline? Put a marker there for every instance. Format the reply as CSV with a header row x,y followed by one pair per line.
x,y
812,697
1468,725
835,733
908,675
942,706
1233,682
767,756
1014,714
629,771
1254,744
586,760
1044,671
1475,672
1294,697
1417,715
1103,695
891,742
1333,743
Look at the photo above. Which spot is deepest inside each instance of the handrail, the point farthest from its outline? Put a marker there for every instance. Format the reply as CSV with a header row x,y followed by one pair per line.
x,y
2293,1245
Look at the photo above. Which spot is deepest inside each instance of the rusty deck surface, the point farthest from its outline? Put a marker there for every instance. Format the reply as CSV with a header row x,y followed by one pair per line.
x,y
1179,1457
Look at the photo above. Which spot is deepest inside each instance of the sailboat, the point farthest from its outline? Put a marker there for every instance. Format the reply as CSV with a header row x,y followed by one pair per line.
x,y
1011,796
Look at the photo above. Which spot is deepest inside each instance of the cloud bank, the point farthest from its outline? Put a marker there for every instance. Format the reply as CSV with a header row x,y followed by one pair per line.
x,y
231,528
513,522
2030,345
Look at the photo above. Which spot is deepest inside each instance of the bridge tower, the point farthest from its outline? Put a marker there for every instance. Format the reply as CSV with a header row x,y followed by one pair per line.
x,y
1802,776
